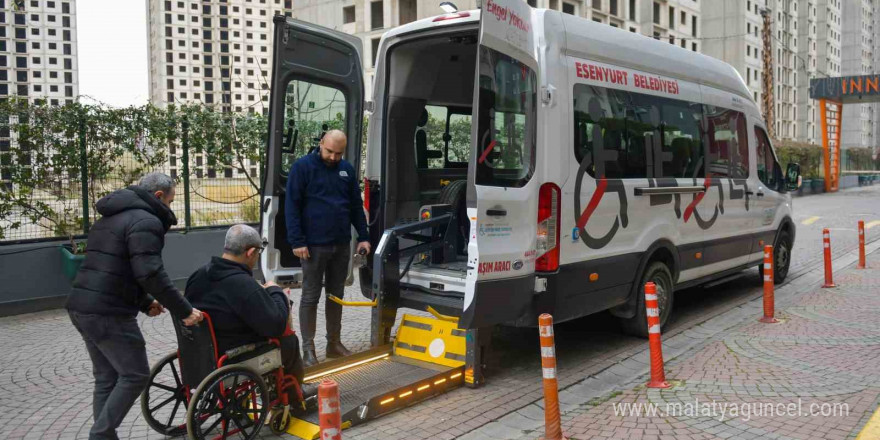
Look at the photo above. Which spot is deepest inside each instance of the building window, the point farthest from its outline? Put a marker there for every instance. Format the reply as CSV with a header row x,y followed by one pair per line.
x,y
694,25
671,17
375,50
568,8
376,15
656,13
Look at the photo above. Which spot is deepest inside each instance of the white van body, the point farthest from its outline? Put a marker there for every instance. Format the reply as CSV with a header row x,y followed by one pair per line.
x,y
598,159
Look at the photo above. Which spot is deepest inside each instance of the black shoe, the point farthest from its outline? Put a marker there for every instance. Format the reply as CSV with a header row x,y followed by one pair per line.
x,y
337,350
309,358
309,390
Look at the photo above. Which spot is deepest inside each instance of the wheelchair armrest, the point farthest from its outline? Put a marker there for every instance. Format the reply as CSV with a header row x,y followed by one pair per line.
x,y
238,351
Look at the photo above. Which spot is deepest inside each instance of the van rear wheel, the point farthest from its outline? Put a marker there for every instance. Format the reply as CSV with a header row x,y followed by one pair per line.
x,y
658,273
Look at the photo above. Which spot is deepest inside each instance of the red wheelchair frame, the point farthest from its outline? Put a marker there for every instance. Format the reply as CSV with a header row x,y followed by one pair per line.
x,y
199,378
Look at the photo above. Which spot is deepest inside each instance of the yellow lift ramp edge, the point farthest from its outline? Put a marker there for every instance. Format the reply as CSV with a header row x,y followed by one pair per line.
x,y
427,358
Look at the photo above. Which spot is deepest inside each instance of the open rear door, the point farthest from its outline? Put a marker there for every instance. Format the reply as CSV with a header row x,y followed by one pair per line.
x,y
502,194
317,85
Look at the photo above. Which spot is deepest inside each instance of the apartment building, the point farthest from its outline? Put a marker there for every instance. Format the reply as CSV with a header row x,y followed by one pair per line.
x,y
38,56
38,53
858,59
806,43
732,33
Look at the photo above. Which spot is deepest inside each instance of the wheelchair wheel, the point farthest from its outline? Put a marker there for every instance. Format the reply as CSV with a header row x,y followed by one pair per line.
x,y
232,402
163,402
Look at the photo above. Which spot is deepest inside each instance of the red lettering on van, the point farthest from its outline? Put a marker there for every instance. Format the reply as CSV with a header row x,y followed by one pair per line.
x,y
494,266
499,12
604,74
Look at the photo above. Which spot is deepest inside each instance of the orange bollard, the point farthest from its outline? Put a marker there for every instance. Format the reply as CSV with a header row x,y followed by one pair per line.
x,y
862,264
552,420
826,243
329,417
769,305
658,378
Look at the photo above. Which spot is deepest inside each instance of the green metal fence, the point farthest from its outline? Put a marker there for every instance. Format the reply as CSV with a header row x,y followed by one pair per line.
x,y
57,162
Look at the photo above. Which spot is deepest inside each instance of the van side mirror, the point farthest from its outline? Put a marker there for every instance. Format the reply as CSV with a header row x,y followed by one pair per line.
x,y
793,177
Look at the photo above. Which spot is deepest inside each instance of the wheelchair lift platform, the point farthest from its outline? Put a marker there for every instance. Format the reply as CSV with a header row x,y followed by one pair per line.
x,y
426,358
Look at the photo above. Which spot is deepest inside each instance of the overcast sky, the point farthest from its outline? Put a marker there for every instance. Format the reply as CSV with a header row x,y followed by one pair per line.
x,y
113,51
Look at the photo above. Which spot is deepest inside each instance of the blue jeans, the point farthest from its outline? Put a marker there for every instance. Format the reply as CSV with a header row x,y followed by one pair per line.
x,y
119,364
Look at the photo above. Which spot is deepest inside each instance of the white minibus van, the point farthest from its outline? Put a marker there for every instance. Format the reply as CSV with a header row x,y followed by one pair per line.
x,y
522,161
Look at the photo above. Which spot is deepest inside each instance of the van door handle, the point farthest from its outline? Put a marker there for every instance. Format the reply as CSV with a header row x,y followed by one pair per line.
x,y
760,194
496,212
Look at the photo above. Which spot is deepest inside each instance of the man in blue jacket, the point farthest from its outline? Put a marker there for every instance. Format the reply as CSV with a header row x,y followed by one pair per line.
x,y
323,201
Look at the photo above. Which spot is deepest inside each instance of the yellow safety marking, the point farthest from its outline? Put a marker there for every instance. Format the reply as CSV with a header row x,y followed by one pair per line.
x,y
303,429
872,224
872,428
810,220
440,316
343,302
430,340
344,367
308,431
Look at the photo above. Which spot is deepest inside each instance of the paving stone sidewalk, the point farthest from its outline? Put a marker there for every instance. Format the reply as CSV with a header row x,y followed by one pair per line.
x,y
814,375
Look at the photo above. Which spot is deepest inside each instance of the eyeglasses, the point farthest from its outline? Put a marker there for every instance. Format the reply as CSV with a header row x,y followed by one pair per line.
x,y
259,249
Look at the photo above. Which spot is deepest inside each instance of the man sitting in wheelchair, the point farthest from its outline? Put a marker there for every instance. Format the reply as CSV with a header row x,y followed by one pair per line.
x,y
243,311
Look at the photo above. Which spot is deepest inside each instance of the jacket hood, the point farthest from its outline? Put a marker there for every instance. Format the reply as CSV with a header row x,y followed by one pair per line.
x,y
221,268
135,197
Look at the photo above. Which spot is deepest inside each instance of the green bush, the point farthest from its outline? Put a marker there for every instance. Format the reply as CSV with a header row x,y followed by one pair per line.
x,y
809,156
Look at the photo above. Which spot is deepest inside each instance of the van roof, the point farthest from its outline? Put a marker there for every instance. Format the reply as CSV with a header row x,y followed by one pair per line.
x,y
600,42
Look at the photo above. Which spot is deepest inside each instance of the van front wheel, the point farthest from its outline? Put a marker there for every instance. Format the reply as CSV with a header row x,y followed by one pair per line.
x,y
659,274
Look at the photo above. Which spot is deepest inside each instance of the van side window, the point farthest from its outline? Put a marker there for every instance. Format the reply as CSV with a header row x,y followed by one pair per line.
x,y
507,120
632,135
728,143
459,129
443,138
429,136
767,167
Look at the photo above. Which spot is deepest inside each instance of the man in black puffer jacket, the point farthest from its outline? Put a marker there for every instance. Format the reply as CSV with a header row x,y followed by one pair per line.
x,y
123,274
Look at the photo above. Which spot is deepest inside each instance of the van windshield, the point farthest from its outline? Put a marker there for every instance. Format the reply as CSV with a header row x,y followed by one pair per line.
x,y
505,153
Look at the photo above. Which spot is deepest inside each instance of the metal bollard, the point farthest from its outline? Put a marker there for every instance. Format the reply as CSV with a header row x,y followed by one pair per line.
x,y
552,419
826,244
658,377
329,416
769,302
862,263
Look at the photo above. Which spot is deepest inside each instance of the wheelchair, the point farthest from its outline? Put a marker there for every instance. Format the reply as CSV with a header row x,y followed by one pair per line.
x,y
194,391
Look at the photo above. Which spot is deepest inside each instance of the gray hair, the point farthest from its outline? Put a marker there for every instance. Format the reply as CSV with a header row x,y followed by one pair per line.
x,y
156,181
240,238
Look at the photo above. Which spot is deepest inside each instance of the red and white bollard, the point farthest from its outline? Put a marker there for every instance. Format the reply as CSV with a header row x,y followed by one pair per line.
x,y
769,302
826,243
862,264
329,415
552,419
658,378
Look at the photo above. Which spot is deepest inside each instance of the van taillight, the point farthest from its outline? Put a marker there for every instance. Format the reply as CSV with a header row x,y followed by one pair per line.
x,y
549,200
367,194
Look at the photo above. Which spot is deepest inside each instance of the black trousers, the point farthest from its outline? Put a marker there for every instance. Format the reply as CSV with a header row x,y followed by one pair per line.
x,y
327,267
119,365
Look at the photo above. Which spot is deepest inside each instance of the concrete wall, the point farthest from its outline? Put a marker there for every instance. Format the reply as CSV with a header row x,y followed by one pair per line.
x,y
31,278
